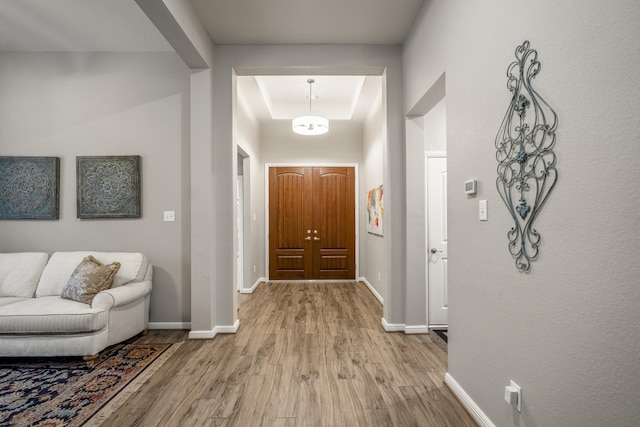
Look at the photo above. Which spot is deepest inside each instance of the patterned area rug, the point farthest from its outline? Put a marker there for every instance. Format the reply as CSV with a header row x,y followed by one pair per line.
x,y
66,392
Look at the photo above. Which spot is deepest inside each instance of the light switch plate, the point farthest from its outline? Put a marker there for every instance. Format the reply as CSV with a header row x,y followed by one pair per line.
x,y
483,215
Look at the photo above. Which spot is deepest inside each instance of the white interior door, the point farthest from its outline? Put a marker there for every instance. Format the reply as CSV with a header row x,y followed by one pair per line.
x,y
437,239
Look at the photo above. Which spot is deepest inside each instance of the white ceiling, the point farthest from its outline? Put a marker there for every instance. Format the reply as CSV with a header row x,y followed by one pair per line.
x,y
308,21
121,26
286,97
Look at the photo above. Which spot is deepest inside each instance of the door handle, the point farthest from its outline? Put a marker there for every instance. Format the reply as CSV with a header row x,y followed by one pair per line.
x,y
315,239
434,251
307,238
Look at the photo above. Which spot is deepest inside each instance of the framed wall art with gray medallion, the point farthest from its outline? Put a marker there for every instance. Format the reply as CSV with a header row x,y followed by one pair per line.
x,y
29,187
108,187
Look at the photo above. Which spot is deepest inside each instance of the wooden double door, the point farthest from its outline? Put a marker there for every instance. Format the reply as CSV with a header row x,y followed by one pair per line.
x,y
311,223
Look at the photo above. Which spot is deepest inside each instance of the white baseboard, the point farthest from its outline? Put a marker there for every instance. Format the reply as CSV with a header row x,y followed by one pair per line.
x,y
392,327
169,325
407,329
372,289
473,409
254,287
416,329
223,329
229,329
202,335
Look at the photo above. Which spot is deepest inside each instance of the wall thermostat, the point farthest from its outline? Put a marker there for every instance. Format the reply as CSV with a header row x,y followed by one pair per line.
x,y
470,186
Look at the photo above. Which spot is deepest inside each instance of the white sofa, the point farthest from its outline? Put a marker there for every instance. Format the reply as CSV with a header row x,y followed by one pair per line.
x,y
36,321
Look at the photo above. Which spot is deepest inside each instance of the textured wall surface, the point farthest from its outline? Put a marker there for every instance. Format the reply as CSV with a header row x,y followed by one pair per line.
x,y
567,331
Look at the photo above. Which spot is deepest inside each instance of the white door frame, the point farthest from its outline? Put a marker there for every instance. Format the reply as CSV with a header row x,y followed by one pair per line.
x,y
427,156
240,232
309,165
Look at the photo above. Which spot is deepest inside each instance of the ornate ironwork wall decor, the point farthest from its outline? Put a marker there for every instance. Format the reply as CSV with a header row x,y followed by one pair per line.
x,y
108,187
29,187
526,161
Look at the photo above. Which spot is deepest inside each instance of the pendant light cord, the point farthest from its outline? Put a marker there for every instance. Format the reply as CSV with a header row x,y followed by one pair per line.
x,y
310,81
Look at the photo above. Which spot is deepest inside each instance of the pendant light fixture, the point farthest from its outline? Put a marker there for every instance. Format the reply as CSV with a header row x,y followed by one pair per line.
x,y
310,125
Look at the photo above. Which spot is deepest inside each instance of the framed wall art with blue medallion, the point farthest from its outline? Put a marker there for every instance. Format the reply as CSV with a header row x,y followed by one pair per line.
x,y
108,187
29,187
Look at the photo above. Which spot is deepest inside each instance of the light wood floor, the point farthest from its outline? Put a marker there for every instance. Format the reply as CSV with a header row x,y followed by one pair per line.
x,y
306,354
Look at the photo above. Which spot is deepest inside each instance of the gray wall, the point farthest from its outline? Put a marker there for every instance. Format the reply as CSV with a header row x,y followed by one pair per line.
x,y
372,267
568,331
68,105
435,130
213,151
316,60
248,141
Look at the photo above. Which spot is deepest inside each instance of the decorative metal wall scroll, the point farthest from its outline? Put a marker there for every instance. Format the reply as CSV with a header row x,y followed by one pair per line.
x,y
108,187
29,187
526,161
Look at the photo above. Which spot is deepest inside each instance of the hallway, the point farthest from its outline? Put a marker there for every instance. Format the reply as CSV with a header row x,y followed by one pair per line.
x,y
305,354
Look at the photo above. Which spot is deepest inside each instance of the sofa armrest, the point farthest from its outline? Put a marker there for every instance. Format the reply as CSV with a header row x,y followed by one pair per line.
x,y
121,295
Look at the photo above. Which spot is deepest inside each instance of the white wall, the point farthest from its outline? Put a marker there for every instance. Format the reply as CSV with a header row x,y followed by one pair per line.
x,y
345,143
280,145
566,332
342,144
95,104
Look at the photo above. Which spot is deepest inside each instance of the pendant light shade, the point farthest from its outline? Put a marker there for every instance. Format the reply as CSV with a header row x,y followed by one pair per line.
x,y
310,125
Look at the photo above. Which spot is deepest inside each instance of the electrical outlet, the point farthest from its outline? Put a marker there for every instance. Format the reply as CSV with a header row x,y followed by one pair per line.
x,y
513,395
169,216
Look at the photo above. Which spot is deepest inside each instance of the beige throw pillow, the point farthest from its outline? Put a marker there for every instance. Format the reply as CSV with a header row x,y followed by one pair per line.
x,y
89,278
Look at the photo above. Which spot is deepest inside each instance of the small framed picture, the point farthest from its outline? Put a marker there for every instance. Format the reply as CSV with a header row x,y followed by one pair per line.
x,y
108,187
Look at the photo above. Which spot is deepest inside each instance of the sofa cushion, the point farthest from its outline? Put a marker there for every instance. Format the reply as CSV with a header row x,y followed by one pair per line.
x,y
51,315
11,300
20,272
89,278
133,267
